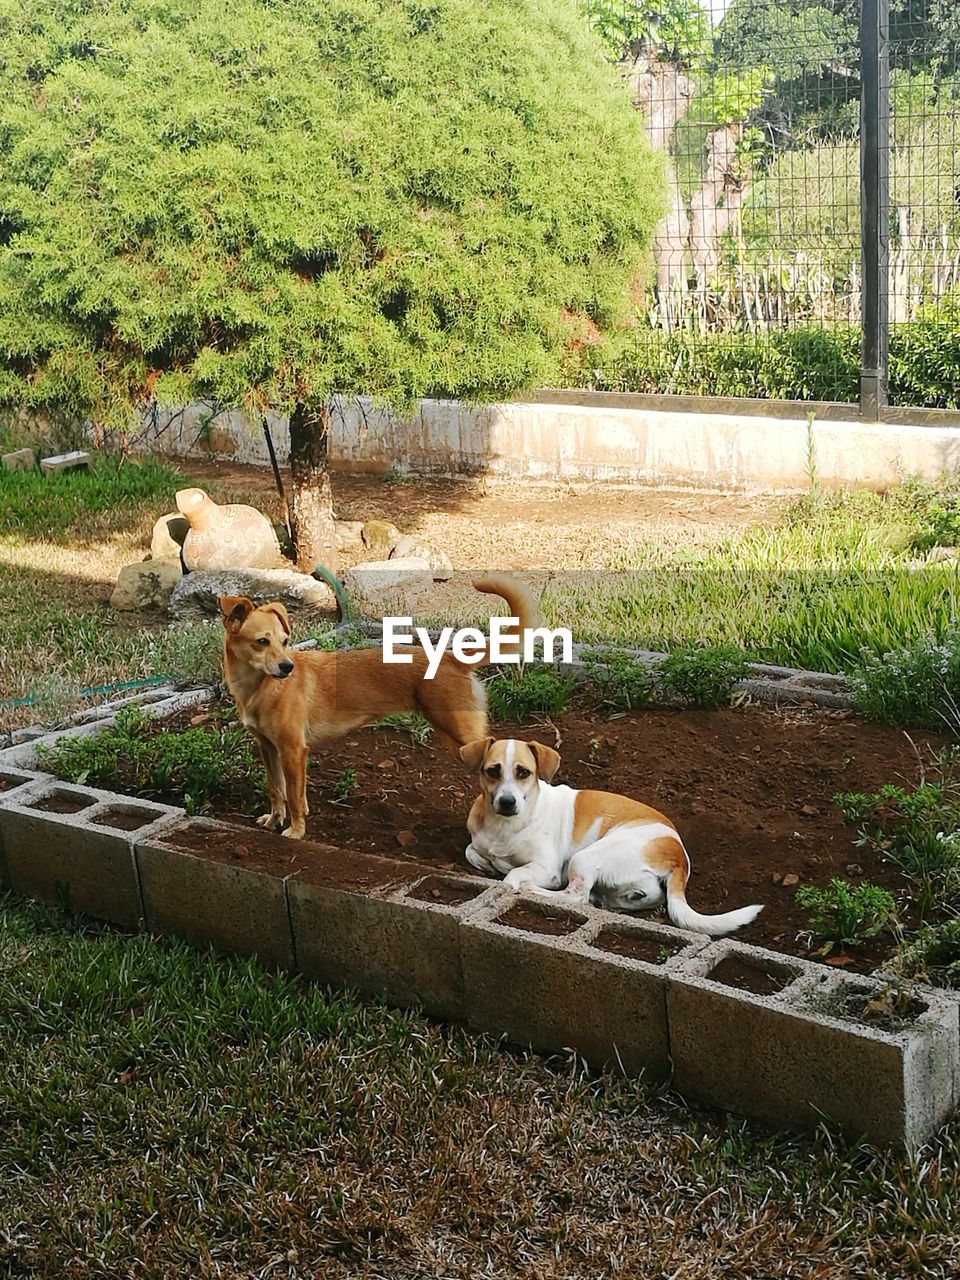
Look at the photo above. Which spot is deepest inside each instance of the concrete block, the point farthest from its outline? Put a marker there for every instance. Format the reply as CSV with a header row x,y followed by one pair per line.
x,y
78,460
399,944
13,784
19,460
74,845
239,908
781,1057
579,990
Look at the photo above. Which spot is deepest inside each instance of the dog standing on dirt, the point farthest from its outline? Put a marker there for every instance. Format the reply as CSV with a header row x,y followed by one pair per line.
x,y
292,701
542,838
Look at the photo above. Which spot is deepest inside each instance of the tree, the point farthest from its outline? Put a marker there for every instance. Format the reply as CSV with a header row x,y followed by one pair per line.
x,y
268,202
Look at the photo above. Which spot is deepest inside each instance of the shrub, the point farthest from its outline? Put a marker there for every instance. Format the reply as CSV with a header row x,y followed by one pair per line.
x,y
345,786
182,766
940,523
847,915
622,682
915,686
702,677
514,694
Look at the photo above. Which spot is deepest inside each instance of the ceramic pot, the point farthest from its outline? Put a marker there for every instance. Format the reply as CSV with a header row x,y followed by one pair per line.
x,y
228,537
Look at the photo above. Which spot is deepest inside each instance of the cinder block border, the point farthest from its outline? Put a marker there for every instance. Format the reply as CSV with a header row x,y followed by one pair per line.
x,y
452,945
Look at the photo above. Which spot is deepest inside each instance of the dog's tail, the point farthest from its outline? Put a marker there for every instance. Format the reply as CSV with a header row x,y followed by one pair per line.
x,y
520,601
684,916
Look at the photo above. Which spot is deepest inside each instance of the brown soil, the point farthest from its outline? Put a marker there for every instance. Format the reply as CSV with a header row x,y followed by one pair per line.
x,y
447,892
635,945
751,791
532,917
62,802
761,979
125,819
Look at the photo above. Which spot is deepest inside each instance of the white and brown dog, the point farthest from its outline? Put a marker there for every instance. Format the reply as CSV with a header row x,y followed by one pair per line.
x,y
582,844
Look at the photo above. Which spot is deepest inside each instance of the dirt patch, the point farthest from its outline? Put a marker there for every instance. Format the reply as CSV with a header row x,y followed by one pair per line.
x,y
747,975
750,789
448,892
62,802
635,945
7,781
531,917
126,819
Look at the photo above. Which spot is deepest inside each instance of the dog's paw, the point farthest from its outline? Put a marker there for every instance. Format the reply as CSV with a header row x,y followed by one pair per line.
x,y
294,833
270,820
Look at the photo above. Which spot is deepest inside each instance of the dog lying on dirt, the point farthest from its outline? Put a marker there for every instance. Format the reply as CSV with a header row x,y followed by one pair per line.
x,y
577,844
292,701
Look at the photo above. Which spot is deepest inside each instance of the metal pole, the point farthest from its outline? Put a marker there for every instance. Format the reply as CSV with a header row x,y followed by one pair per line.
x,y
874,203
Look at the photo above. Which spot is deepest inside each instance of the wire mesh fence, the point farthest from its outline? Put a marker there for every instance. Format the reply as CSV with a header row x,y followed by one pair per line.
x,y
758,264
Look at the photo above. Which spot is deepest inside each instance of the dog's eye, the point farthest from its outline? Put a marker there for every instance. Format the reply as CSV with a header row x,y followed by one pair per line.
x,y
493,771
263,640
522,773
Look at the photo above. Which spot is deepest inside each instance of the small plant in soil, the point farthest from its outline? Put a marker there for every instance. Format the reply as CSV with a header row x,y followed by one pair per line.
x,y
918,831
933,955
702,677
182,766
418,727
847,915
518,692
621,682
891,1008
345,786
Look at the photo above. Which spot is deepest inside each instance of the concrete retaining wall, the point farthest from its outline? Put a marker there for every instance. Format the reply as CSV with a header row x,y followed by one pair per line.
x,y
594,438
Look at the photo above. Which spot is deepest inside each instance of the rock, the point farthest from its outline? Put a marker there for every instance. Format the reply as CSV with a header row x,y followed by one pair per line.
x,y
439,562
146,585
943,553
228,537
810,811
790,880
167,537
349,534
380,536
78,460
196,596
387,587
19,460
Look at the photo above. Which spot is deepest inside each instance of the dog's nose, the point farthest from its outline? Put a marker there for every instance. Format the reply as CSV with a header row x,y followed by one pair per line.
x,y
286,667
506,805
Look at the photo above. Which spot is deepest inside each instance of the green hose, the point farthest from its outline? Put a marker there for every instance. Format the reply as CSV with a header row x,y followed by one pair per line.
x,y
344,611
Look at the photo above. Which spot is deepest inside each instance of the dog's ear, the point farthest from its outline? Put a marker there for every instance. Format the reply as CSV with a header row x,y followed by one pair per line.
x,y
277,608
548,760
235,611
472,754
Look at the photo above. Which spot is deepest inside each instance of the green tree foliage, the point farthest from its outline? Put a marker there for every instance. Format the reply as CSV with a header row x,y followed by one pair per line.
x,y
679,29
263,202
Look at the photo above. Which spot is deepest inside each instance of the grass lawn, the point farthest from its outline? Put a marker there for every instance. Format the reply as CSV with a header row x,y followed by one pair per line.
x,y
167,1113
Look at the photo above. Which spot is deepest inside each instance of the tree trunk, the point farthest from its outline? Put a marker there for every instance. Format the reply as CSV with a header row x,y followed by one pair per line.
x,y
718,201
314,537
663,93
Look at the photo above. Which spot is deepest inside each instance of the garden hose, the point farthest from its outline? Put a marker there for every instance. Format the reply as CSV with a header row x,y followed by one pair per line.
x,y
344,611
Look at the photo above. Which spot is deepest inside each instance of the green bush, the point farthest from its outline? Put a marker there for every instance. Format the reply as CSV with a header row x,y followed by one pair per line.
x,y
939,523
181,766
517,692
919,685
622,683
933,955
847,915
702,677
803,362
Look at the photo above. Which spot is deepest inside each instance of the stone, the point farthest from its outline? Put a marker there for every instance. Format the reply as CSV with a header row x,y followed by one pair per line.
x,y
229,537
19,460
148,584
197,594
387,587
349,535
78,460
380,535
439,562
166,541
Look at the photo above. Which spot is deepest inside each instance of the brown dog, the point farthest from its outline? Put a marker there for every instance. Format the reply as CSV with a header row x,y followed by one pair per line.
x,y
294,701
